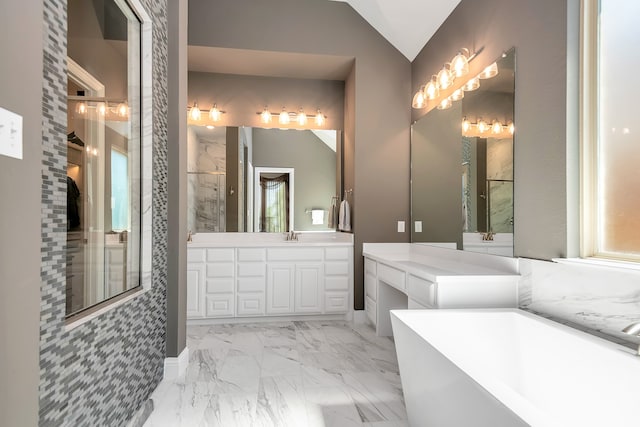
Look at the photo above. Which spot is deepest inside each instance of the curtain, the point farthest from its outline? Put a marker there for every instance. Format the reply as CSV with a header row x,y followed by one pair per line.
x,y
274,212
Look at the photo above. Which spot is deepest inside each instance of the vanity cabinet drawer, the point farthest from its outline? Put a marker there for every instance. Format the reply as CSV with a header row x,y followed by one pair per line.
x,y
336,283
253,269
220,254
370,266
217,286
251,304
422,291
295,254
220,269
195,255
336,302
219,305
336,269
251,284
391,276
252,255
337,254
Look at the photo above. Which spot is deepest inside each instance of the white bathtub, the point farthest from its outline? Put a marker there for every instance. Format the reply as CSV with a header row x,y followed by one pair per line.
x,y
507,368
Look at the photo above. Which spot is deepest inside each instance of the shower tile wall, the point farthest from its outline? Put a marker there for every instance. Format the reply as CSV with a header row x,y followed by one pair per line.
x,y
99,373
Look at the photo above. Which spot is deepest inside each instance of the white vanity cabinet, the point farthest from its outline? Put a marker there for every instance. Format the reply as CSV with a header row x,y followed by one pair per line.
x,y
280,280
409,276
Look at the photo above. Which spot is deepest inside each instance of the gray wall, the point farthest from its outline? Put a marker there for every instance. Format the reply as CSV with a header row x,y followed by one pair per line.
x,y
177,179
544,215
20,181
377,101
314,164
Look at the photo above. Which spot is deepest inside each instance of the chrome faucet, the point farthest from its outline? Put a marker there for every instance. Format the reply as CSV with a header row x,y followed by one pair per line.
x,y
291,236
488,236
189,237
633,330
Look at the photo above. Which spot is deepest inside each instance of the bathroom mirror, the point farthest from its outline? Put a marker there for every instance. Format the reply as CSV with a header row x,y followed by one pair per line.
x,y
241,179
462,167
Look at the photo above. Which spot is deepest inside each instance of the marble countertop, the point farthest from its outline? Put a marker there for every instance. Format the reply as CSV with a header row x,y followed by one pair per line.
x,y
209,240
436,264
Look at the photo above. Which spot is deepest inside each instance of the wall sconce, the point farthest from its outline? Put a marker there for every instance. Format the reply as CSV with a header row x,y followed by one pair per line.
x,y
286,117
215,114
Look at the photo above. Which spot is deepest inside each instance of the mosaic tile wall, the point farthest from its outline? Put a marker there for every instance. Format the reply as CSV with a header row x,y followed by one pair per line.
x,y
99,373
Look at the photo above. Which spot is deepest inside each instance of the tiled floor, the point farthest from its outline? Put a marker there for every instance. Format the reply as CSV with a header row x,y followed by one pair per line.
x,y
312,373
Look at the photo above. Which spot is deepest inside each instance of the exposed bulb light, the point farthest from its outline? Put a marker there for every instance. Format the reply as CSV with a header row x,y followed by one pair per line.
x,y
489,72
319,118
284,118
431,90
511,127
445,78
122,110
214,114
460,65
101,108
445,104
466,125
265,115
194,113
496,127
210,127
81,108
482,126
457,95
472,85
301,118
419,99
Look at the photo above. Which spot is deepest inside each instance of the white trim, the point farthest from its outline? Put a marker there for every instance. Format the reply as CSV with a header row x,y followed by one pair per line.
x,y
600,262
267,319
175,367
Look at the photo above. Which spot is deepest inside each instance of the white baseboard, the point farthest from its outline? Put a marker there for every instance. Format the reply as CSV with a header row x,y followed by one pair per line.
x,y
175,367
360,317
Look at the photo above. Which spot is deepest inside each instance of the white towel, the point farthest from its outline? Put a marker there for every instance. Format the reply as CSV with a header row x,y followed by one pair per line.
x,y
344,223
317,216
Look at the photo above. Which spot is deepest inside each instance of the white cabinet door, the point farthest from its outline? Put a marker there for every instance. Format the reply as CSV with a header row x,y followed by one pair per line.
x,y
195,290
280,280
308,288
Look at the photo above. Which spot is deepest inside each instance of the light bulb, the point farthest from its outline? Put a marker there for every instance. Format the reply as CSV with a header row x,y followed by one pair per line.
x,y
101,108
482,126
496,127
512,128
445,78
302,118
122,110
266,115
466,125
419,100
319,118
284,117
472,84
210,127
460,65
445,104
194,113
81,108
490,71
431,89
457,95
215,114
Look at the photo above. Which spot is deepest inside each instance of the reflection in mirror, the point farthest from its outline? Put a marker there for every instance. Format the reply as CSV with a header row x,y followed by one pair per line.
x,y
483,122
225,192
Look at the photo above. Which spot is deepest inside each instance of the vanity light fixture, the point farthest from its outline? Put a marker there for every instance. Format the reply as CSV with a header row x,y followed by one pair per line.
x,y
284,118
194,112
466,125
100,105
419,99
319,118
482,126
445,104
301,118
431,89
489,72
472,85
123,109
511,127
460,64
214,114
496,127
265,115
101,108
457,95
81,108
445,77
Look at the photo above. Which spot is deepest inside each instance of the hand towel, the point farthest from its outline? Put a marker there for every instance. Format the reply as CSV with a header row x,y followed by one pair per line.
x,y
344,223
332,214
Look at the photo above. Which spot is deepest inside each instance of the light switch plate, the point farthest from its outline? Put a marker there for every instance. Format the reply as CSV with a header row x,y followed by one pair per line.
x,y
10,134
400,226
418,226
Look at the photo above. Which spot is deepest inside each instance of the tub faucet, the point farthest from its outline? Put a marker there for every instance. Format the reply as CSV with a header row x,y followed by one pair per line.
x,y
633,330
189,237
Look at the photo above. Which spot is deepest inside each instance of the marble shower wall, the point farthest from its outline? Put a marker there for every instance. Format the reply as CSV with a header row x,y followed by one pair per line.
x,y
602,299
500,167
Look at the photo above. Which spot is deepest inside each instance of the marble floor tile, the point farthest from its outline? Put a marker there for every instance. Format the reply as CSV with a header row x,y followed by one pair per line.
x,y
302,373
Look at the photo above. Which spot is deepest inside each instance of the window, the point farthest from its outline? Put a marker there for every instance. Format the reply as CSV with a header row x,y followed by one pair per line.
x,y
103,152
611,135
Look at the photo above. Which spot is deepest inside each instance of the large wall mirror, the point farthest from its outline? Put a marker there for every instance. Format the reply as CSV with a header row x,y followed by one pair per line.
x,y
462,166
243,179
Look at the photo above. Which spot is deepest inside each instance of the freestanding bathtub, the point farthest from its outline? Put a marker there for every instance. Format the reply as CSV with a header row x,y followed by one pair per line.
x,y
507,368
